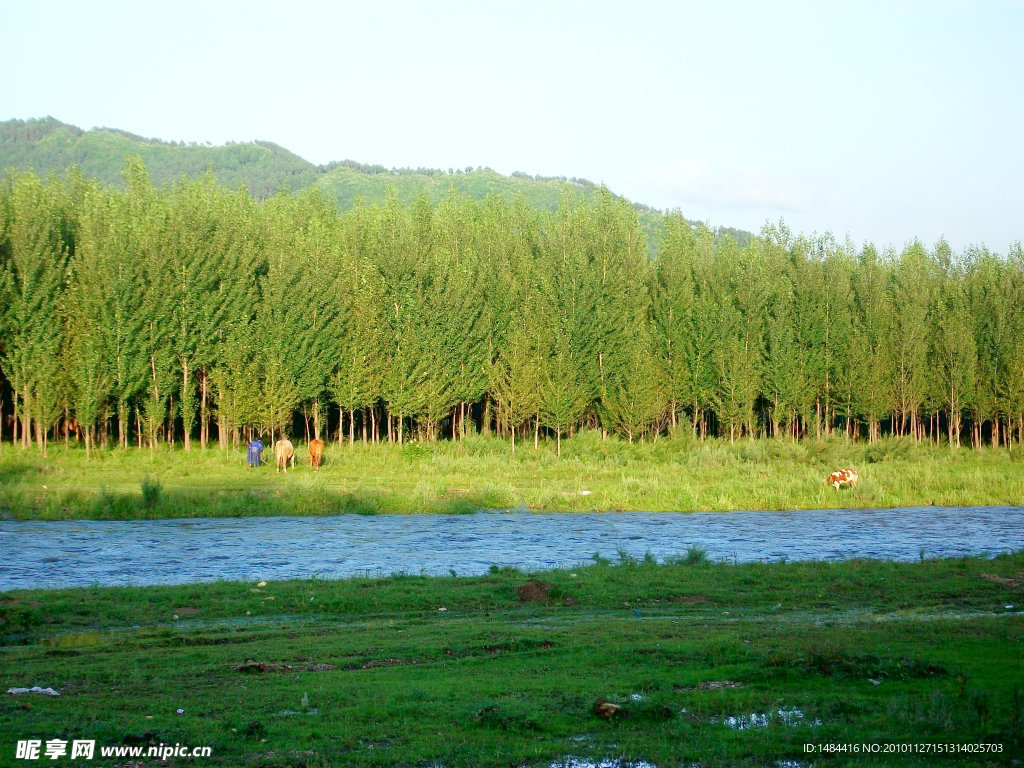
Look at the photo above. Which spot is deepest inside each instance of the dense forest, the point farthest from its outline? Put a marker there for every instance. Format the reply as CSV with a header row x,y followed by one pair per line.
x,y
143,313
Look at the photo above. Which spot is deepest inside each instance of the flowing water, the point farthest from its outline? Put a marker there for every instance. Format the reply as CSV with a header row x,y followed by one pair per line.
x,y
82,553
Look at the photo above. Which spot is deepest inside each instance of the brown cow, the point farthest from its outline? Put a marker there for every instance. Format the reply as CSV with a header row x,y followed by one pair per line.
x,y
316,452
284,450
843,477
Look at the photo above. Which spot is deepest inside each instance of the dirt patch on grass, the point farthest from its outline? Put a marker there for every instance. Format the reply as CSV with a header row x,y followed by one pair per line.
x,y
534,591
1016,583
692,600
377,663
838,664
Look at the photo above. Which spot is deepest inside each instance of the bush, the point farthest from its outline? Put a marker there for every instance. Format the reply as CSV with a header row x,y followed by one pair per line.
x,y
695,555
152,492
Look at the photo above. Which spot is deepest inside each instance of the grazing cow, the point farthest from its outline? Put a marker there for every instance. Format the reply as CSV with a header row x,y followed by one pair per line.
x,y
283,451
316,452
843,477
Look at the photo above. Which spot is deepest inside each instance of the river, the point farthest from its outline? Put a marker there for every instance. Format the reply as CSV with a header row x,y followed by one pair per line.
x,y
86,552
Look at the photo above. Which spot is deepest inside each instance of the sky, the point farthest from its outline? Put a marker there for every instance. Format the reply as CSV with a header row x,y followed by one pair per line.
x,y
878,121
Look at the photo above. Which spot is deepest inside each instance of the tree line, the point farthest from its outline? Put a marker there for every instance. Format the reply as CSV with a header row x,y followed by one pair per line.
x,y
140,314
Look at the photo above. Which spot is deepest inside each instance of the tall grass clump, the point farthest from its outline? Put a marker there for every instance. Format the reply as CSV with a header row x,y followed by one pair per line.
x,y
695,555
152,492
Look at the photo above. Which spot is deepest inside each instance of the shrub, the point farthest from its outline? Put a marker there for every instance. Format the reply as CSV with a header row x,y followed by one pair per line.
x,y
152,492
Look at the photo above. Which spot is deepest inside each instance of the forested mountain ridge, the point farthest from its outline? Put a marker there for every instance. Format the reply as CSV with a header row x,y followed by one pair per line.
x,y
45,145
49,145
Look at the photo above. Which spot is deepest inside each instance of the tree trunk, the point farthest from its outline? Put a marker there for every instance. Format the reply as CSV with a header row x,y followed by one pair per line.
x,y
204,411
40,437
184,418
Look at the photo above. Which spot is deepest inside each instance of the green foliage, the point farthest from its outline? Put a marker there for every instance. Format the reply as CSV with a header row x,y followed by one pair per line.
x,y
159,312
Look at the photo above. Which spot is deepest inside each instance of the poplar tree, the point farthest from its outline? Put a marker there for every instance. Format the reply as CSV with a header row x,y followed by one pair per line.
x,y
295,309
562,395
911,297
356,380
708,332
873,391
1012,383
740,350
6,284
203,246
129,237
92,272
32,315
992,317
671,313
633,398
784,377
955,353
515,381
616,281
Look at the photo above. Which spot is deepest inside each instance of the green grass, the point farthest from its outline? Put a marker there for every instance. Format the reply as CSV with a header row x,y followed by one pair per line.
x,y
372,672
592,474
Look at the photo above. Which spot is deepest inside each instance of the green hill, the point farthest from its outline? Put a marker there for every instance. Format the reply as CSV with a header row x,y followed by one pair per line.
x,y
347,180
48,145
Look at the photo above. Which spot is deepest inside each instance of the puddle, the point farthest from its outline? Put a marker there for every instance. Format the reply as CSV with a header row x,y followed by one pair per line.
x,y
789,717
579,762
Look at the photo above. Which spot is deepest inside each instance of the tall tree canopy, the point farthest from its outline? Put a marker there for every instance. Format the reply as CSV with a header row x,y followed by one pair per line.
x,y
152,314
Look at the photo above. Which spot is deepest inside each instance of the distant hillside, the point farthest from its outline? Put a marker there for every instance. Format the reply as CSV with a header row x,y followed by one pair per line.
x,y
348,180
50,145
46,145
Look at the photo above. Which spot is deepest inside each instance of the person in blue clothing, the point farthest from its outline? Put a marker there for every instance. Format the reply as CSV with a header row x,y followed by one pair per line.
x,y
255,453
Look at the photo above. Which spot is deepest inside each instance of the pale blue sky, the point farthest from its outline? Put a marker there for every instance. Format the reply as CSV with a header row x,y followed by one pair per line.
x,y
881,120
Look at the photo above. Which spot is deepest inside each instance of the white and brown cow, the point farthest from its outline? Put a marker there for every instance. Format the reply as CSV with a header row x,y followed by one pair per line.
x,y
843,477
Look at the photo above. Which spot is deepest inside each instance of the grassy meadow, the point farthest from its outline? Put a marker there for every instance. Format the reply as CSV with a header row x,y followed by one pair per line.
x,y
709,664
679,474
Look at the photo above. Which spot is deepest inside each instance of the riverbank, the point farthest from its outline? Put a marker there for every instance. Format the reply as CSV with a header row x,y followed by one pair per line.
x,y
708,663
481,473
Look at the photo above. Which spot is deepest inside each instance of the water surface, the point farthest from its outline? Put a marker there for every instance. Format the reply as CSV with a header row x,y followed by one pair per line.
x,y
85,552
